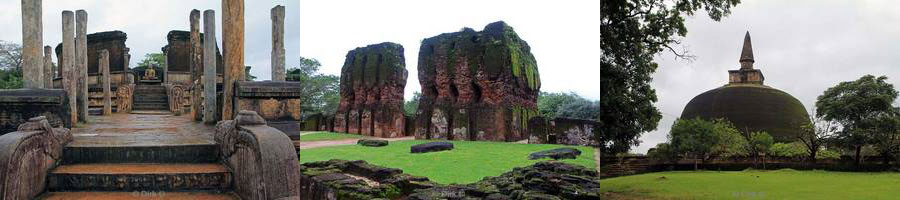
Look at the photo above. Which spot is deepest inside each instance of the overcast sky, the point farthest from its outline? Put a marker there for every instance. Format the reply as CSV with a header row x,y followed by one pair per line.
x,y
803,47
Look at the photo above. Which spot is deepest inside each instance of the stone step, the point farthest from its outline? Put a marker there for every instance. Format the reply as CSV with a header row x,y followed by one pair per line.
x,y
139,177
189,153
145,195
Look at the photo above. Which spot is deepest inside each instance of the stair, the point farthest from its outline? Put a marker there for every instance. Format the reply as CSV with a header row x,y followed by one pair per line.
x,y
150,97
177,171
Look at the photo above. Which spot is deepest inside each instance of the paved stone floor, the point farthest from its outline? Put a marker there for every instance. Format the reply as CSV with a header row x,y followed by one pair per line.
x,y
149,129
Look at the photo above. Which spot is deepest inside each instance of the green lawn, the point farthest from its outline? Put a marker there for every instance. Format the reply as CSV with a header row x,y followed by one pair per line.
x,y
320,136
467,163
779,184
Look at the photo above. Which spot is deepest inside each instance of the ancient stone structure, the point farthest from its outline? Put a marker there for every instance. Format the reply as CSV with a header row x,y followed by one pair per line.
x,y
27,155
176,97
278,72
81,64
356,180
48,67
372,83
104,79
178,57
196,65
562,131
209,67
17,106
67,64
277,102
112,41
749,104
262,159
431,147
32,41
477,85
233,50
124,98
543,180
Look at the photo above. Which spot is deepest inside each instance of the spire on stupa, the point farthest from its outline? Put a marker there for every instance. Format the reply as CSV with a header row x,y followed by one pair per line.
x,y
747,53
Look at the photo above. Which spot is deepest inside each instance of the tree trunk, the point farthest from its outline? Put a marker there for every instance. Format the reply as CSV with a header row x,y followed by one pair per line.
x,y
696,161
764,161
885,160
812,155
858,158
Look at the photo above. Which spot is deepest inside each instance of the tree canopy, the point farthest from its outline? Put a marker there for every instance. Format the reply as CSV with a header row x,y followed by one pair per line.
x,y
632,32
861,107
701,139
322,91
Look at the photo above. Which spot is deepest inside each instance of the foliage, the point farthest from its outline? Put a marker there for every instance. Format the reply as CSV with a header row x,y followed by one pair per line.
x,y
857,106
663,152
755,184
158,59
410,107
788,150
815,134
885,135
760,142
567,105
10,79
468,162
549,103
10,56
632,32
322,90
827,154
700,139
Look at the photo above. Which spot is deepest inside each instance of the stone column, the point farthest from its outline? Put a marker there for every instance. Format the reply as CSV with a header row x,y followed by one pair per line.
x,y
67,64
278,43
233,50
81,63
129,79
48,67
32,41
196,65
209,66
104,82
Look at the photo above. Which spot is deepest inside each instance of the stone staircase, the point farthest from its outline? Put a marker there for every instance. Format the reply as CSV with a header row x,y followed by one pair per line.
x,y
140,172
150,97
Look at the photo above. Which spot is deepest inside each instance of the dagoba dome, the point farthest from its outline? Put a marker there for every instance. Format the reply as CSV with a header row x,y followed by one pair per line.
x,y
749,104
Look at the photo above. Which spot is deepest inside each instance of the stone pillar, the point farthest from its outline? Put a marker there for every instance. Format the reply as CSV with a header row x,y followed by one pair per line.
x,y
233,50
32,41
48,67
209,66
278,43
104,82
196,65
81,63
129,79
67,64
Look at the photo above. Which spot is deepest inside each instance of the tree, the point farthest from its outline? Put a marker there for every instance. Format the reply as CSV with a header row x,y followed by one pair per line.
x,y
760,143
699,139
321,91
632,32
410,107
11,56
816,133
856,105
158,59
549,103
886,135
580,108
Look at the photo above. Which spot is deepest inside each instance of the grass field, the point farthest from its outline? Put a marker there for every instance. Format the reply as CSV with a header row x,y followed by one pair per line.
x,y
320,136
778,184
467,163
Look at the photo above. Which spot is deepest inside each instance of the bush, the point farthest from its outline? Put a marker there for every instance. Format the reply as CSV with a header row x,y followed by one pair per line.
x,y
827,154
790,150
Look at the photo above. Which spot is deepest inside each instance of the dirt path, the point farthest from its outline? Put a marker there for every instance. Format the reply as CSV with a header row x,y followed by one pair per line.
x,y
327,143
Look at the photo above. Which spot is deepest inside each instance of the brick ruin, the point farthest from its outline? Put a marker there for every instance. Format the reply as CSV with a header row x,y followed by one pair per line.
x,y
372,83
112,41
477,85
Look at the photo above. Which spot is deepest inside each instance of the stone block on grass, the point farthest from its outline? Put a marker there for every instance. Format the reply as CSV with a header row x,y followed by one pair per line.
x,y
372,142
556,154
431,147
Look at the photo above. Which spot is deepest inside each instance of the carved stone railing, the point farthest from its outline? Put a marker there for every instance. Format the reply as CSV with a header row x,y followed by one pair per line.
x,y
125,98
27,155
262,159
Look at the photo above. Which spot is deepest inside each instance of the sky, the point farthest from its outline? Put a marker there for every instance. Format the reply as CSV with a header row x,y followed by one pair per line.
x,y
803,47
563,35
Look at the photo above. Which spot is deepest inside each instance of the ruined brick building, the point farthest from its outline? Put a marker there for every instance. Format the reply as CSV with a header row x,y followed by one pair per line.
x,y
372,83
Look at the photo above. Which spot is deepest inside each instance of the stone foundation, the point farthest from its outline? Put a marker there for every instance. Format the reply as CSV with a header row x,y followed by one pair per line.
x,y
562,131
19,105
477,85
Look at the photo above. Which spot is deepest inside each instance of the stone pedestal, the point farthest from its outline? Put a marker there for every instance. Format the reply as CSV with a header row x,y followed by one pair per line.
x,y
32,41
104,79
233,50
67,64
278,73
81,63
209,66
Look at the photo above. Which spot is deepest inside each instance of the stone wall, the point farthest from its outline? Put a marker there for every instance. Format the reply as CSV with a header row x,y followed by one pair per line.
x,y
562,131
372,83
112,41
178,54
277,102
19,105
477,85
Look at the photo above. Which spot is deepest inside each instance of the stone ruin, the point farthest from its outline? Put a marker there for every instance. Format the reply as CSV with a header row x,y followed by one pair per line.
x,y
178,57
562,131
356,180
372,83
112,41
477,85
